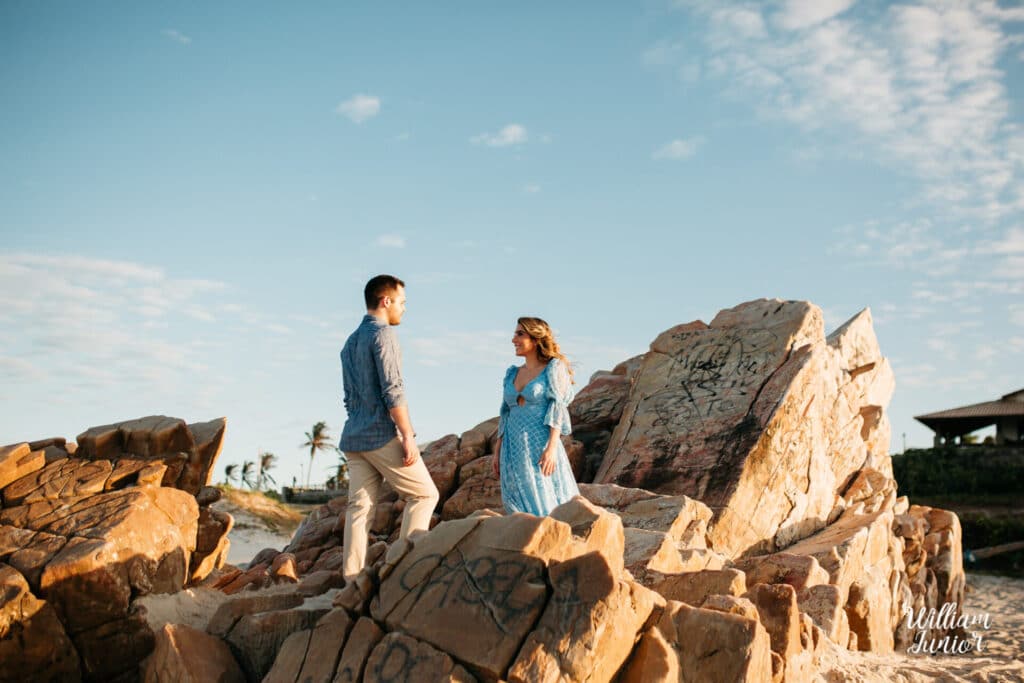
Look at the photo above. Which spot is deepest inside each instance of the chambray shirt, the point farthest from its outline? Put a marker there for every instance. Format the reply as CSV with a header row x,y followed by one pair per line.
x,y
371,373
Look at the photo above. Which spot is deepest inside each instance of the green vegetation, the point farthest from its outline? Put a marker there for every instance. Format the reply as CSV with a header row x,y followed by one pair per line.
x,y
977,470
983,485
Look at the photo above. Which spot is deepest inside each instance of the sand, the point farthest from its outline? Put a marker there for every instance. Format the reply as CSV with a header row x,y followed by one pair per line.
x,y
1001,658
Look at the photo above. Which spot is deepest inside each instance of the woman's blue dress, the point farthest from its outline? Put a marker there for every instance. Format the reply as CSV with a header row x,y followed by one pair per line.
x,y
524,433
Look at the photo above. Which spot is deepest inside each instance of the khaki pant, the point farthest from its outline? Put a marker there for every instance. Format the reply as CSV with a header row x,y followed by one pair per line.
x,y
366,470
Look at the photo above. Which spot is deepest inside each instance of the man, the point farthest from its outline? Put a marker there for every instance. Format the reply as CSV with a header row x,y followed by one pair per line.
x,y
375,401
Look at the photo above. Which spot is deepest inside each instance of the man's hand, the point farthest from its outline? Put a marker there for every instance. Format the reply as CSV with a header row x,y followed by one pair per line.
x,y
412,452
548,459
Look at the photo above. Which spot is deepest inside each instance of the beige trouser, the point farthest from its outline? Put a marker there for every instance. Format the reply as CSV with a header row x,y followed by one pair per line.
x,y
366,470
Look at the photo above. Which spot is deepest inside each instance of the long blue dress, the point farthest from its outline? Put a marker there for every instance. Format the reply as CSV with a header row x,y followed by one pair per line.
x,y
525,430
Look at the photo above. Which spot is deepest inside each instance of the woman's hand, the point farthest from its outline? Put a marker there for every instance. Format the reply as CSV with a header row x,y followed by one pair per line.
x,y
548,459
496,460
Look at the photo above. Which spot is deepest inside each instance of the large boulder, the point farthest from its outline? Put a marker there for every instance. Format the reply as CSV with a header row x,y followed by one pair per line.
x,y
741,414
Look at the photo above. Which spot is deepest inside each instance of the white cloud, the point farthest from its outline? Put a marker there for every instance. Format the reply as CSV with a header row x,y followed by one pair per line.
x,y
390,241
531,188
799,14
678,149
176,36
360,108
918,88
512,134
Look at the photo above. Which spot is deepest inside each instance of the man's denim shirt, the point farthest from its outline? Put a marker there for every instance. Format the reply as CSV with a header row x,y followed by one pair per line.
x,y
371,372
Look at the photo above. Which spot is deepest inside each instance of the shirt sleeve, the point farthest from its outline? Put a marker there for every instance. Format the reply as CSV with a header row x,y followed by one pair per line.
x,y
559,396
388,358
504,410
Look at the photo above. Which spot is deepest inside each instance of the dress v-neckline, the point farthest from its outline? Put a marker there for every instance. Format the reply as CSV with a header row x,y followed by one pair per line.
x,y
535,378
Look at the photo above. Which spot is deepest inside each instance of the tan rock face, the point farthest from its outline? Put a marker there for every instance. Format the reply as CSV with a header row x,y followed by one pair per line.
x,y
188,655
693,644
188,451
741,414
17,461
486,575
479,490
33,643
589,626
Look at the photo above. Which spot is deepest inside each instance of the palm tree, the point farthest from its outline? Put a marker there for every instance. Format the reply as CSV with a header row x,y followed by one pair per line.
x,y
267,462
317,440
248,468
230,473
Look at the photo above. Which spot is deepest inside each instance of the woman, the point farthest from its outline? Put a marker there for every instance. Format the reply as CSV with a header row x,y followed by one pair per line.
x,y
529,456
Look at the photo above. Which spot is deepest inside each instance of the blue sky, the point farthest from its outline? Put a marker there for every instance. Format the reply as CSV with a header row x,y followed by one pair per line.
x,y
191,197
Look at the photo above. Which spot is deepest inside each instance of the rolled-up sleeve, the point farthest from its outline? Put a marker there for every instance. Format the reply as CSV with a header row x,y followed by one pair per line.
x,y
388,358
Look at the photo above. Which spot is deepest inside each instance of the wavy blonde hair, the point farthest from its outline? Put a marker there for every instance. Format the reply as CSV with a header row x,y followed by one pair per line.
x,y
547,348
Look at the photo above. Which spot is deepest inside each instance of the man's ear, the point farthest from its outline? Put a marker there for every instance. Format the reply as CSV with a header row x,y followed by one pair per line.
x,y
385,301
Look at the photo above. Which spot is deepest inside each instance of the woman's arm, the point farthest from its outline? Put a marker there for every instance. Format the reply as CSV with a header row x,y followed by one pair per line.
x,y
496,460
549,457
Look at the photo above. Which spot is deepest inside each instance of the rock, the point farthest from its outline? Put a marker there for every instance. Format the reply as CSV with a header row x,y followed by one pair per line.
x,y
825,605
399,658
29,551
229,613
598,405
363,639
213,525
256,638
694,588
319,582
731,604
283,568
33,643
589,626
778,612
312,655
485,575
66,478
683,519
17,461
863,559
290,658
596,528
741,415
479,490
799,571
650,551
188,655
694,644
120,544
208,495
209,440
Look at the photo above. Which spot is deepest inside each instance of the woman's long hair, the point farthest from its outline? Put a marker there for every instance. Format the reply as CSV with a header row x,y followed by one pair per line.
x,y
547,347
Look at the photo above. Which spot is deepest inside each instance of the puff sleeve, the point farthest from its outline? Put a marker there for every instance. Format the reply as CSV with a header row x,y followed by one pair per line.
x,y
559,394
503,412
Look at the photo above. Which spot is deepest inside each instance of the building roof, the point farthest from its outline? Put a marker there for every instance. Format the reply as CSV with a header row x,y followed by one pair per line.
x,y
975,416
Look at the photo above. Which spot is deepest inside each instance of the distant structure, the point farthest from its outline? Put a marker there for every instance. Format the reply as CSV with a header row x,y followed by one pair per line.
x,y
1007,414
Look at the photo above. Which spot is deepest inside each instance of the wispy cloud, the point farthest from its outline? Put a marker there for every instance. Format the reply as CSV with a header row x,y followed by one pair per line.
x,y
176,36
800,14
360,108
678,149
920,85
531,188
390,241
512,134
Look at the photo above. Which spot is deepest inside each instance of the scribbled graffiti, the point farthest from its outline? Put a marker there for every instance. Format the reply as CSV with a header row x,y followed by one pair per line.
x,y
492,583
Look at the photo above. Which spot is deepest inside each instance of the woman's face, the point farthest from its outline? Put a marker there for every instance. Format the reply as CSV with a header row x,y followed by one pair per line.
x,y
523,342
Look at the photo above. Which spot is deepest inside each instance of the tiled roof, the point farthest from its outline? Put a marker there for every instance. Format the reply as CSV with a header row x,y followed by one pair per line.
x,y
1000,408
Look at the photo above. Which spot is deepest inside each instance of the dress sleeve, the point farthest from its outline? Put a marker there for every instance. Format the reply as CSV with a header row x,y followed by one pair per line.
x,y
503,412
559,395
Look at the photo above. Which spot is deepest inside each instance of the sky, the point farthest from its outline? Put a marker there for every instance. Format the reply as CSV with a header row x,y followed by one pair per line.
x,y
192,196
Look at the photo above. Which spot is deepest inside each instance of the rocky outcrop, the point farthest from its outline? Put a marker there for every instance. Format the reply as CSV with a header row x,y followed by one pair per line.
x,y
757,415
85,531
738,520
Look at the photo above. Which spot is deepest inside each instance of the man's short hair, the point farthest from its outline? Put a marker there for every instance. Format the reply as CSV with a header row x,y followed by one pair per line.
x,y
379,287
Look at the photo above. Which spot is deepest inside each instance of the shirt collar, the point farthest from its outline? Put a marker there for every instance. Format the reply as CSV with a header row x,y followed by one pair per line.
x,y
373,320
